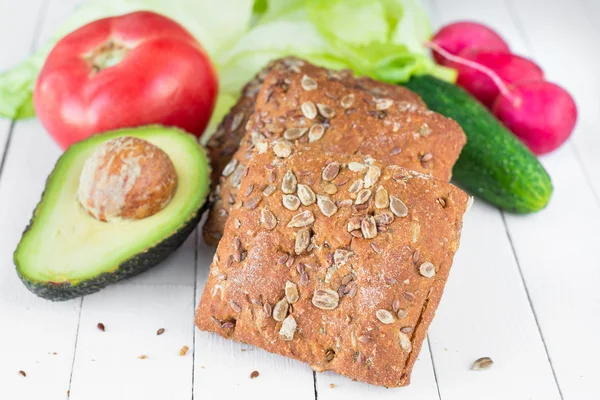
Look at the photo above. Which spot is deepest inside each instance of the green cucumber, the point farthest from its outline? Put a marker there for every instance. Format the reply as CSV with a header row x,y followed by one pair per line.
x,y
494,164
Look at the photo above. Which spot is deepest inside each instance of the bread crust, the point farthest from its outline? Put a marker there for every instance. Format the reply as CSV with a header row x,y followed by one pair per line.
x,y
263,259
364,116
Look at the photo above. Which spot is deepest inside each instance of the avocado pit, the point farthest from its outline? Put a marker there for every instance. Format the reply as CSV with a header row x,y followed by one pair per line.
x,y
126,178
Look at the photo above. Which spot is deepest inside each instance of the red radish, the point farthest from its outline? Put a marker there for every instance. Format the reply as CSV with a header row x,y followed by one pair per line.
x,y
539,113
509,67
459,36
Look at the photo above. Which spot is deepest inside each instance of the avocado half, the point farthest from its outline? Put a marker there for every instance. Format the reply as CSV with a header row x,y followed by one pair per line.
x,y
65,253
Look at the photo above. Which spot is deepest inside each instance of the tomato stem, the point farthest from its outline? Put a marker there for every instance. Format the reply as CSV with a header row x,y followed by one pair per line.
x,y
107,55
500,84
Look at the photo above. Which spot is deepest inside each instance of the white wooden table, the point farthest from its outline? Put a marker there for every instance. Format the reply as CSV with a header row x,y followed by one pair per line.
x,y
525,290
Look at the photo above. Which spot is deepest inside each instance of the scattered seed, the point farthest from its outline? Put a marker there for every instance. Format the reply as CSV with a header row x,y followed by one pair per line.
x,y
267,309
269,190
290,261
406,329
353,290
442,202
230,167
363,196
410,296
402,313
330,171
236,121
368,227
326,111
427,269
347,279
396,305
289,183
353,223
325,299
427,157
398,207
364,338
283,259
329,355
425,130
306,195
143,357
235,306
341,290
326,205
482,363
341,256
253,202
416,256
332,385
304,278
316,132
237,223
272,177
360,358
302,240
308,83
280,310
227,325
291,202
305,218
347,101
294,133
254,374
382,199
356,166
288,328
23,373
237,243
183,351
291,292
267,219
376,247
395,151
405,341
309,109
160,331
390,281
345,203
384,316
282,149
372,176
383,104
101,326
356,186
330,188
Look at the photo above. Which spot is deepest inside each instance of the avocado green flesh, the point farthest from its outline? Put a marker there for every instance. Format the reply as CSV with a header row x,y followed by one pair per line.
x,y
64,244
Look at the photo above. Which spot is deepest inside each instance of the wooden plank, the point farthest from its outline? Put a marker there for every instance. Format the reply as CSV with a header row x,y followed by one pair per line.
x,y
486,310
557,249
37,335
17,34
222,367
31,327
132,312
552,240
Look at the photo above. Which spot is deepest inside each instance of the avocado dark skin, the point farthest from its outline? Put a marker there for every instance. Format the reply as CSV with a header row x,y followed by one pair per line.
x,y
132,267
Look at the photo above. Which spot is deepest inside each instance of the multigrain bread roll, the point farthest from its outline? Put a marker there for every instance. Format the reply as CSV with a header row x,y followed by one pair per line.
x,y
336,260
332,111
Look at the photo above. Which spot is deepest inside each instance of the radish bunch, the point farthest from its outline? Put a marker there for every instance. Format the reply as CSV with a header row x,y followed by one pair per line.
x,y
540,113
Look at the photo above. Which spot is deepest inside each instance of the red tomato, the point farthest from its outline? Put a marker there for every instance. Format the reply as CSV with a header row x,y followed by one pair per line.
x,y
136,69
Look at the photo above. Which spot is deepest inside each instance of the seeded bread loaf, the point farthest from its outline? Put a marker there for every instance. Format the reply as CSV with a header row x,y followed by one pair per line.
x,y
336,260
333,111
